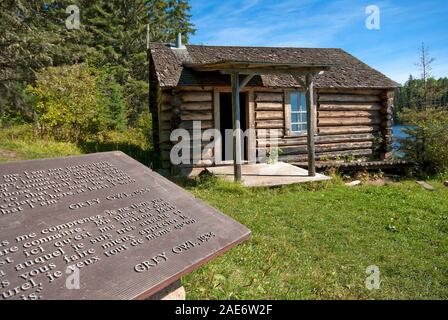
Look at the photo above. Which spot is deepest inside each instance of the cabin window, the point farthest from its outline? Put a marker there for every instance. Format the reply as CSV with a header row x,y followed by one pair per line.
x,y
298,112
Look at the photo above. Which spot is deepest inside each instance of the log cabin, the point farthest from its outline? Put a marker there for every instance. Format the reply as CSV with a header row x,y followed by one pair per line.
x,y
317,104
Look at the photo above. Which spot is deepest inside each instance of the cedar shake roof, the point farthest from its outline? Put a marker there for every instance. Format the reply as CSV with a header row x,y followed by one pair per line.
x,y
348,72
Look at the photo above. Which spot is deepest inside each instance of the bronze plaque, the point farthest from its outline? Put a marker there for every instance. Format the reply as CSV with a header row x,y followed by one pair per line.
x,y
101,226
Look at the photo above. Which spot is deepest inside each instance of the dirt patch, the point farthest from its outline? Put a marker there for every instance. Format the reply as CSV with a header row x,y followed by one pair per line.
x,y
378,182
6,155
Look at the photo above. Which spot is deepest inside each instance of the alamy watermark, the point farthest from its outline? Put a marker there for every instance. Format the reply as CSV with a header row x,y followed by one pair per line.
x,y
73,279
373,20
196,145
373,280
73,20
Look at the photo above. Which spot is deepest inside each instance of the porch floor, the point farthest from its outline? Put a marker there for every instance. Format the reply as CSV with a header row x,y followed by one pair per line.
x,y
262,174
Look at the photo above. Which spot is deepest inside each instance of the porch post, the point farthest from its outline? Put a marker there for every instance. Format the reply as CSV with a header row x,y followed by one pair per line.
x,y
236,125
311,125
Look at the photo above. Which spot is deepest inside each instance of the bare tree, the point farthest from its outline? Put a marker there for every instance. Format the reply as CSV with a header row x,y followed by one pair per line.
x,y
424,64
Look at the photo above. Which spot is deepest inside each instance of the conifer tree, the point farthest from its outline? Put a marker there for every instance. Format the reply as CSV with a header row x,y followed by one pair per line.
x,y
112,36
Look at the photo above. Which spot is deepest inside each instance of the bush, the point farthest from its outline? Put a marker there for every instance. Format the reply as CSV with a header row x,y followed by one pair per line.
x,y
74,103
113,99
131,142
68,103
22,132
427,143
135,141
144,126
12,117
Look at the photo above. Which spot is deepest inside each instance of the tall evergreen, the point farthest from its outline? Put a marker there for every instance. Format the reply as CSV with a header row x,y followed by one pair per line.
x,y
118,30
179,20
112,35
33,36
413,95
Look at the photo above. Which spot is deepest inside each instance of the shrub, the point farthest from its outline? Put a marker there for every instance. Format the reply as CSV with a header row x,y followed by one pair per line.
x,y
144,127
11,117
113,99
22,132
74,103
68,103
427,143
132,142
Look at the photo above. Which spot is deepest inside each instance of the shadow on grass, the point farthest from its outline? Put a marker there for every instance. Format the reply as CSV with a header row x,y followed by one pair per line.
x,y
148,157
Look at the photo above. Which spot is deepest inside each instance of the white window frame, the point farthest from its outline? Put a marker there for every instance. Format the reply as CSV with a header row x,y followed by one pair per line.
x,y
301,112
287,111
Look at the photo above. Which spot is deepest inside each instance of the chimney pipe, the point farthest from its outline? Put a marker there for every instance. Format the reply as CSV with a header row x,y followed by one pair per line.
x,y
179,44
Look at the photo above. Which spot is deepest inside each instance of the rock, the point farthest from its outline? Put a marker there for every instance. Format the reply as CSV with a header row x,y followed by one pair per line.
x,y
446,183
353,183
176,295
426,185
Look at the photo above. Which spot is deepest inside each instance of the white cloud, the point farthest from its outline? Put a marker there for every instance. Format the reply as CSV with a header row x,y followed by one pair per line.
x,y
284,23
312,23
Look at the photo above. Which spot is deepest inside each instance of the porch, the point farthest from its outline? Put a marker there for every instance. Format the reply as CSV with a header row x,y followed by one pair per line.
x,y
262,174
304,74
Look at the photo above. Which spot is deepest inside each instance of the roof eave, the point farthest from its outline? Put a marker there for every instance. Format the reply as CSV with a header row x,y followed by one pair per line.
x,y
257,67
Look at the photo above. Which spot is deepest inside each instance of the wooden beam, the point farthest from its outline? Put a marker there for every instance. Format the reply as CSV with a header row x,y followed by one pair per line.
x,y
236,118
263,71
217,122
311,125
246,80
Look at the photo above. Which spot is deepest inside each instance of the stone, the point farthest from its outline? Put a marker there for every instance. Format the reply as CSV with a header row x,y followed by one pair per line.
x,y
426,185
102,226
353,183
445,183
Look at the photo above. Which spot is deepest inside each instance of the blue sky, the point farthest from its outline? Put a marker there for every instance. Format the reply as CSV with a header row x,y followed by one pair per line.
x,y
393,49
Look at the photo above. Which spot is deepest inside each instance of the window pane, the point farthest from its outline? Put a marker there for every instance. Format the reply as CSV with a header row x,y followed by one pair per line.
x,y
298,112
303,102
294,117
303,127
295,127
294,101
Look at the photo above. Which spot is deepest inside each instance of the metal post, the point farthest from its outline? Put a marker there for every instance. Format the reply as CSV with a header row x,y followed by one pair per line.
x,y
236,125
311,125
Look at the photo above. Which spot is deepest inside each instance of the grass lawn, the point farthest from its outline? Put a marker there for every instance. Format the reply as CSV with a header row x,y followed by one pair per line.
x,y
314,241
19,144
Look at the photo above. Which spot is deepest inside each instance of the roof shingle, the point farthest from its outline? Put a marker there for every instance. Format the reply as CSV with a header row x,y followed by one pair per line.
x,y
349,72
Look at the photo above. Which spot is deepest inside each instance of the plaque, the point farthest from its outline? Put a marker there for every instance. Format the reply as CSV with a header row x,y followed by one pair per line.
x,y
101,226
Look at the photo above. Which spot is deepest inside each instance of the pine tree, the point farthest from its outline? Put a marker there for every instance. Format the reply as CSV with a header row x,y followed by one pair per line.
x,y
33,36
119,33
112,36
179,20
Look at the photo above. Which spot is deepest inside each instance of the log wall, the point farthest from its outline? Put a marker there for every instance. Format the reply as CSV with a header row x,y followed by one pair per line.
x,y
349,122
179,109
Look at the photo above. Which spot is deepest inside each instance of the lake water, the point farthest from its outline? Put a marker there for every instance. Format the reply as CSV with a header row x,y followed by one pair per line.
x,y
398,134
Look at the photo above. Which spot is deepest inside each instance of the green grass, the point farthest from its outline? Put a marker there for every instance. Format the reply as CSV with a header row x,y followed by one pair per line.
x,y
316,241
37,149
22,143
18,143
311,241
